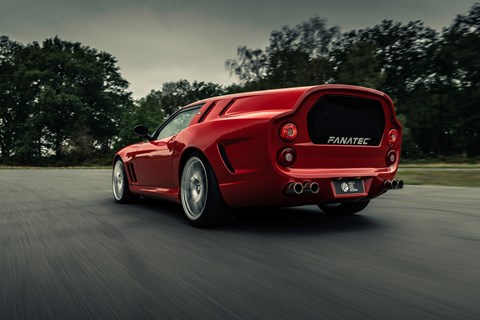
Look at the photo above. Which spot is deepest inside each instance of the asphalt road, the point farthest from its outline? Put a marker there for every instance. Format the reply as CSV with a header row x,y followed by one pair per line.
x,y
68,251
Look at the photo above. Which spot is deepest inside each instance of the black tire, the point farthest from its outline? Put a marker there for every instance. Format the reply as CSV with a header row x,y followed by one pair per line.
x,y
343,209
200,195
120,187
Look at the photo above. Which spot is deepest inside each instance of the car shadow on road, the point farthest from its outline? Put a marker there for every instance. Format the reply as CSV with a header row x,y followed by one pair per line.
x,y
304,219
156,210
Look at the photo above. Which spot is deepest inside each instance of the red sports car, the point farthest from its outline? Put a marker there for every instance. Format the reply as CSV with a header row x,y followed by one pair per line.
x,y
336,146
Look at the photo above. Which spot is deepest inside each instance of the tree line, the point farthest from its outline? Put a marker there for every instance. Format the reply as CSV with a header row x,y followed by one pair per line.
x,y
60,102
63,103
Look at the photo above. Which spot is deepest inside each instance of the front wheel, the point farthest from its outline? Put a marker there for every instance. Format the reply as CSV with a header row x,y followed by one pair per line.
x,y
121,192
347,208
200,195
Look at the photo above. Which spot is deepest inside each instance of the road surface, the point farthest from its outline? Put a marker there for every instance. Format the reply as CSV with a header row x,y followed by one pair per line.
x,y
68,251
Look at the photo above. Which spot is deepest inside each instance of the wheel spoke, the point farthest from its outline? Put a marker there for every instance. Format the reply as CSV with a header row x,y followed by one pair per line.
x,y
194,188
118,181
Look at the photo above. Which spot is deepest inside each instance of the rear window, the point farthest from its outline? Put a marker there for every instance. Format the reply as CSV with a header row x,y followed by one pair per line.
x,y
346,120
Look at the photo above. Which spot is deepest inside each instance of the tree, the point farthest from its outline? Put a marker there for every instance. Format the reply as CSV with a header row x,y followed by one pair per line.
x,y
358,65
174,95
146,111
404,53
8,96
250,65
301,55
66,101
458,65
295,56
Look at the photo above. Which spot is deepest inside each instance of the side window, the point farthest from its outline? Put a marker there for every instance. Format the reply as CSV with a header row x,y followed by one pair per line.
x,y
177,124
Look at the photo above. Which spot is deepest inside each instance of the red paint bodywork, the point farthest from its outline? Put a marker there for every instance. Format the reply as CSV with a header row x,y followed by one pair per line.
x,y
248,130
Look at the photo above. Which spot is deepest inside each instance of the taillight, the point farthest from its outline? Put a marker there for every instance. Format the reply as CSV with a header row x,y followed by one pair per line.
x,y
287,156
288,131
392,136
391,157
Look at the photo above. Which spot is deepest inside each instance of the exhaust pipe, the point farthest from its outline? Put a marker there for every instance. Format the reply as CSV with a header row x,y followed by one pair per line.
x,y
393,184
294,188
314,188
311,187
400,184
387,184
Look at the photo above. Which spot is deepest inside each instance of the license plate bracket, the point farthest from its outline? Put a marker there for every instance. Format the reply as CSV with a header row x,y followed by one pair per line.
x,y
349,186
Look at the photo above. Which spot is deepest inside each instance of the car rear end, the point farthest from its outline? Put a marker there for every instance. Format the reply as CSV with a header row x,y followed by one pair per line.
x,y
337,144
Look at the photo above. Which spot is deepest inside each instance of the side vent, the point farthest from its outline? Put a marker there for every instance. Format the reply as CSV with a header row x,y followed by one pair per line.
x,y
227,107
133,175
227,162
205,114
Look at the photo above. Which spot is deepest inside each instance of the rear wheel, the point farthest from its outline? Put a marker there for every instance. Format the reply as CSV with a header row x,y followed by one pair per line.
x,y
121,192
200,195
347,208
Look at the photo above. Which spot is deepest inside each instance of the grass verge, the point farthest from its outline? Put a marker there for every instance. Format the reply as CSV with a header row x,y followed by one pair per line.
x,y
441,165
4,167
458,178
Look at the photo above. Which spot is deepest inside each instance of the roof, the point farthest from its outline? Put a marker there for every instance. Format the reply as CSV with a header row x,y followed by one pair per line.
x,y
292,93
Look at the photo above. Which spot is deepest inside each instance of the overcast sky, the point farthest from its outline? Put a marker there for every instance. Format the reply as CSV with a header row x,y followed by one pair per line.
x,y
167,40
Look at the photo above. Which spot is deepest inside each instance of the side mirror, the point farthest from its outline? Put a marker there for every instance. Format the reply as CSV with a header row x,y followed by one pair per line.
x,y
142,131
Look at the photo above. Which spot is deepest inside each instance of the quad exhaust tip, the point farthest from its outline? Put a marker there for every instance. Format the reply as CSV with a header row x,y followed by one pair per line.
x,y
298,188
311,187
393,184
294,188
400,184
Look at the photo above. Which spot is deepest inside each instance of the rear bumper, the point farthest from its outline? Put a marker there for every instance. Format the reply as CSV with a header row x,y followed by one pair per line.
x,y
261,189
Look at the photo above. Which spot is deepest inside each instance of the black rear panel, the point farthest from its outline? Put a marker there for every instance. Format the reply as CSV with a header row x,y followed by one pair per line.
x,y
345,120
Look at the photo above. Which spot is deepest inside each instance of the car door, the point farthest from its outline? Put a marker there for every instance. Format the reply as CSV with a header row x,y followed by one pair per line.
x,y
154,159
153,163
